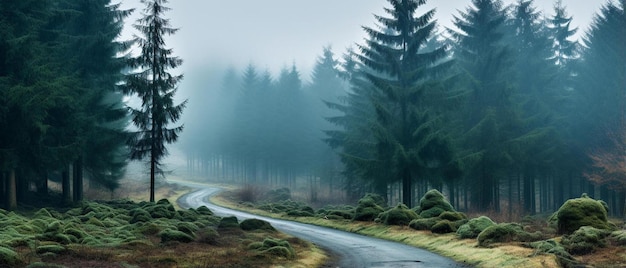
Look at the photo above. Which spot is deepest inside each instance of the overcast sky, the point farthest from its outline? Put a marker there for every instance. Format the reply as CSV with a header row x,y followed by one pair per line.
x,y
276,33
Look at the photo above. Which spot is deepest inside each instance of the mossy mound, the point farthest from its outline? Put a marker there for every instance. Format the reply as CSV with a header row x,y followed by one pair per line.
x,y
552,247
505,232
399,215
452,216
578,212
8,257
369,207
55,248
619,237
585,240
203,210
276,195
443,227
139,215
273,248
338,214
432,204
169,235
207,236
423,224
229,222
256,224
474,227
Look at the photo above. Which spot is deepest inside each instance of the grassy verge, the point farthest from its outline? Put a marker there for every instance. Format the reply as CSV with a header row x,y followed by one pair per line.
x,y
462,250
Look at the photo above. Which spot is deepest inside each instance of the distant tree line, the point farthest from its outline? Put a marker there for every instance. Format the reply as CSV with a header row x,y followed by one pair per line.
x,y
61,115
505,112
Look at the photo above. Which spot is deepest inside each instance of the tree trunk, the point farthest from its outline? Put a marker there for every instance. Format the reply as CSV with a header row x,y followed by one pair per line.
x,y
11,191
407,189
66,185
78,180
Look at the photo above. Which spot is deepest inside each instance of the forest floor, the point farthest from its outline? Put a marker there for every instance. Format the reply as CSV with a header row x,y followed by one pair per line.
x,y
229,249
511,254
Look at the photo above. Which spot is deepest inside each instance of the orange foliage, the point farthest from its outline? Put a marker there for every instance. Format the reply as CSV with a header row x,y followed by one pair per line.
x,y
609,163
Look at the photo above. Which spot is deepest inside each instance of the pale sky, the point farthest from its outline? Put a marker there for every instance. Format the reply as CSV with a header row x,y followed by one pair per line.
x,y
276,33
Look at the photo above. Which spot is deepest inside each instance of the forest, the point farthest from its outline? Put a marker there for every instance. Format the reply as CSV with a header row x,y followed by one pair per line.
x,y
504,112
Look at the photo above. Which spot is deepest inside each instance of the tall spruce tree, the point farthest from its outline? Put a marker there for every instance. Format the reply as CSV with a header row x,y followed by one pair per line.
x,y
156,87
403,75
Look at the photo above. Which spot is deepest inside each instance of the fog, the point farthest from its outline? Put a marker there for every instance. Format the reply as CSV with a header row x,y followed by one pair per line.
x,y
262,83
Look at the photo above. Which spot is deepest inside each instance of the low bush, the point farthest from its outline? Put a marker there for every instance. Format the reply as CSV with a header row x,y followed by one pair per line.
x,y
552,247
578,212
229,222
369,207
443,227
274,248
423,224
432,204
256,224
8,257
169,235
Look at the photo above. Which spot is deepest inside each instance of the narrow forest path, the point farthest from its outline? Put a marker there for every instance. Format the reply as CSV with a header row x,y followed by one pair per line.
x,y
352,250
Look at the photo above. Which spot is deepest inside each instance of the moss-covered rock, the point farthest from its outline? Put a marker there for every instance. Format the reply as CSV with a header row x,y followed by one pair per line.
x,y
619,237
229,222
452,216
443,227
256,224
505,232
432,204
578,212
423,224
474,227
369,207
399,215
169,235
585,240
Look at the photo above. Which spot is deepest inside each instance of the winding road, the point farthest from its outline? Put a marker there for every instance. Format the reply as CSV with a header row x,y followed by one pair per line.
x,y
352,250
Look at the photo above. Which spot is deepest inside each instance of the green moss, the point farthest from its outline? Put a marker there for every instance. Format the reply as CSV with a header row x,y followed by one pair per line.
x,y
8,257
399,215
43,214
256,224
280,252
139,215
552,247
443,227
369,207
187,227
474,227
95,221
452,216
619,237
273,248
423,224
505,232
169,235
578,212
585,240
340,214
229,222
432,204
203,210
166,211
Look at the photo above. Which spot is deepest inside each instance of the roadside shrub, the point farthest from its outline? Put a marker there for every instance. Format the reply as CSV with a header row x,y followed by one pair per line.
x,y
256,224
505,232
432,204
399,215
229,222
274,247
340,214
578,212
187,227
203,210
585,240
169,235
423,224
276,195
207,236
474,227
369,207
56,249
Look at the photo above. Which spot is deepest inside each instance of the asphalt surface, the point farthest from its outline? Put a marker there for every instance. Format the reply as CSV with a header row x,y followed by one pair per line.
x,y
350,250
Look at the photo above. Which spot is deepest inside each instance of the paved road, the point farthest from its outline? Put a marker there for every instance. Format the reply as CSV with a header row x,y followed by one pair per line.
x,y
352,250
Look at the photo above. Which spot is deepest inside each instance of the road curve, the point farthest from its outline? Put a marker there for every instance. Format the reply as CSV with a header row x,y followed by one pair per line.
x,y
353,250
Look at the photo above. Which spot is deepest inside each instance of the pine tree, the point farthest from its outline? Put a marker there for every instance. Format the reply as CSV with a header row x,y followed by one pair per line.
x,y
156,87
404,76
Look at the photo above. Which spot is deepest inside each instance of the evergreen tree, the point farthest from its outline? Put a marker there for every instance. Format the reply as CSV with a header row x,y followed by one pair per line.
x,y
489,118
156,87
406,134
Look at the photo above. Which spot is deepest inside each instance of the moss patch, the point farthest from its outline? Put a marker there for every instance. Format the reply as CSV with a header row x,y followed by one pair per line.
x,y
585,240
474,227
432,204
505,232
256,224
399,215
578,212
